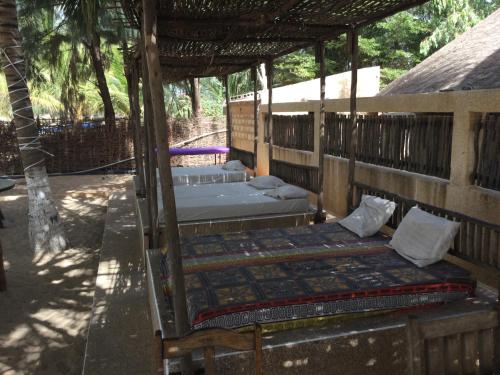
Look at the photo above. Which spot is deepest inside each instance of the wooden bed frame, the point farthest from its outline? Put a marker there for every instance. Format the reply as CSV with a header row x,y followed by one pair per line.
x,y
460,337
228,225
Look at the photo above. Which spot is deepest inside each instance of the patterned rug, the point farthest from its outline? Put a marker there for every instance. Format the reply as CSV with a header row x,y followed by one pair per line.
x,y
274,275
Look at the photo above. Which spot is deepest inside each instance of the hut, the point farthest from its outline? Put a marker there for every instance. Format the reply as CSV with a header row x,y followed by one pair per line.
x,y
187,39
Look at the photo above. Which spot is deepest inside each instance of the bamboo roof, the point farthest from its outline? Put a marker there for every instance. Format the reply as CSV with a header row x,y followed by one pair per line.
x,y
200,38
470,62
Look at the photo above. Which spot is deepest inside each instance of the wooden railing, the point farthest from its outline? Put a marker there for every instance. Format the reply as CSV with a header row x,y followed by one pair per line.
x,y
417,143
487,151
296,132
300,175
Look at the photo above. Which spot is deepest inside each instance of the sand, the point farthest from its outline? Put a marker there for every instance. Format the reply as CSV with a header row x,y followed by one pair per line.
x,y
44,314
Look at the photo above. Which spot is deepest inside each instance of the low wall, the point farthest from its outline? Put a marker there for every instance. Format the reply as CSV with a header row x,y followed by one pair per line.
x,y
457,194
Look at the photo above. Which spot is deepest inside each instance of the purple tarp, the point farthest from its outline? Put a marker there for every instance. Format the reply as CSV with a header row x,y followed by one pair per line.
x,y
176,151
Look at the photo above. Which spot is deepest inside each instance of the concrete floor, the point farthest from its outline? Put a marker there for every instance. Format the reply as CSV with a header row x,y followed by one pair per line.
x,y
120,334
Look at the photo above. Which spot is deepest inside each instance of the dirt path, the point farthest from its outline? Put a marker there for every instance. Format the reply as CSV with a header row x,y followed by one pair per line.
x,y
44,314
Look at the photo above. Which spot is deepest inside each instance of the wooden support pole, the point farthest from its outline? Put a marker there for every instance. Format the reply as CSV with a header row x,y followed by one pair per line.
x,y
320,57
173,246
135,120
269,73
255,120
228,112
151,182
353,49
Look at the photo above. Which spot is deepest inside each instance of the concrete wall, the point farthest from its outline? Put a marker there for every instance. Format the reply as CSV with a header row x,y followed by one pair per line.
x,y
457,194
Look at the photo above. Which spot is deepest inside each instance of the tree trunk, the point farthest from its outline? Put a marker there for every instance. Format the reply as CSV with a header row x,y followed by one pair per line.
x,y
195,97
45,228
95,53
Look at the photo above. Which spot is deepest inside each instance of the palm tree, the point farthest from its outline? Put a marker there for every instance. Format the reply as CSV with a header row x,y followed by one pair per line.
x,y
45,228
89,19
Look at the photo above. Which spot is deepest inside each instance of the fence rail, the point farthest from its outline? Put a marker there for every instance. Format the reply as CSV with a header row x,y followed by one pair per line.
x,y
75,146
417,143
295,131
487,151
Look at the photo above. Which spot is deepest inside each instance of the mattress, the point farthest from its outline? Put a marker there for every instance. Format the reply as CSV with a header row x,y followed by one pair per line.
x,y
227,201
276,275
212,174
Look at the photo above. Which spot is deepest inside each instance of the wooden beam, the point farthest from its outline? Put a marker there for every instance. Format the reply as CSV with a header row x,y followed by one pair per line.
x,y
353,44
255,120
151,182
228,112
269,74
172,248
135,120
320,55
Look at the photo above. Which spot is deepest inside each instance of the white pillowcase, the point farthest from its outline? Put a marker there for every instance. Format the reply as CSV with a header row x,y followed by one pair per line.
x,y
288,192
372,213
423,238
266,182
234,165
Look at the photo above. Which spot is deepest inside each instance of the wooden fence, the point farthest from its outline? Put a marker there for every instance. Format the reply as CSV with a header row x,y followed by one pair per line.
x,y
416,143
296,132
487,151
75,146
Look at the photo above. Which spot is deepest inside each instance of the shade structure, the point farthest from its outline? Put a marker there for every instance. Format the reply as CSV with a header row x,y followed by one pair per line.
x,y
198,38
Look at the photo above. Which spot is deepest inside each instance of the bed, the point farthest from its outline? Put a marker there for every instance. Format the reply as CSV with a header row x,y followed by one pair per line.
x,y
228,207
229,200
335,298
210,174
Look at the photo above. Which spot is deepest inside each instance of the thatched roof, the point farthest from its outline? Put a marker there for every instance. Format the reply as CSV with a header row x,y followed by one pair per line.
x,y
216,37
470,62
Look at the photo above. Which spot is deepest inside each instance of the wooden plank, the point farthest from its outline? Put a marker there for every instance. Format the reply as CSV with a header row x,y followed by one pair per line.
x,y
435,356
353,38
453,354
269,73
320,217
255,120
486,350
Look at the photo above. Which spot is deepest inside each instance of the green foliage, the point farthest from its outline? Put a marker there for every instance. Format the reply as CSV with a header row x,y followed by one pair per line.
x,y
62,80
295,67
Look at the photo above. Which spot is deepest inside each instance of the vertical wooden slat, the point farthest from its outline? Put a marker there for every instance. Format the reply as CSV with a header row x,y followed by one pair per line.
x,y
228,112
3,279
255,119
486,350
353,38
270,72
209,355
150,165
470,349
320,53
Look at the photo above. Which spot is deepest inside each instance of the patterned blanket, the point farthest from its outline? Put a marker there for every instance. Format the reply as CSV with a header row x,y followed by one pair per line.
x,y
264,276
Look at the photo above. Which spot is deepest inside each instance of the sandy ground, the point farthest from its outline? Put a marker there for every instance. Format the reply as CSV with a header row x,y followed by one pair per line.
x,y
44,314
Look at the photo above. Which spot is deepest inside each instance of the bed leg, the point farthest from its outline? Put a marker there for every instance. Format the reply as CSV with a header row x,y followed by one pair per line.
x,y
258,350
158,355
209,355
416,355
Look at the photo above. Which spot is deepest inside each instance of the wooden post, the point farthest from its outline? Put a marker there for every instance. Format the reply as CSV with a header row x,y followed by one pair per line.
x,y
228,112
255,120
173,246
320,57
353,44
269,73
135,119
151,182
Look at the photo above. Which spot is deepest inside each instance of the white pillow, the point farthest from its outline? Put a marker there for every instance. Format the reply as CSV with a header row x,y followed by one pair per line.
x,y
372,213
266,182
423,238
288,192
233,165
